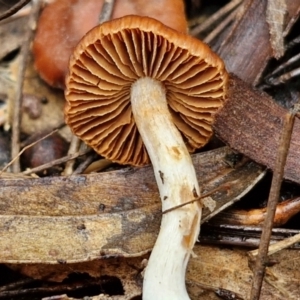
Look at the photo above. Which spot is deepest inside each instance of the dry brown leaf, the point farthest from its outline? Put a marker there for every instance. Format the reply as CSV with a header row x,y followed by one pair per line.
x,y
229,270
255,126
86,217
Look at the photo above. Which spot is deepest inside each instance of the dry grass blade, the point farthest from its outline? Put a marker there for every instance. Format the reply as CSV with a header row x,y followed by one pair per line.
x,y
215,17
285,65
286,243
218,29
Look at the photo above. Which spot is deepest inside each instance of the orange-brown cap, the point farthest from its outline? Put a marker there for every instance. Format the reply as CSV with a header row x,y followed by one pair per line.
x,y
114,55
64,22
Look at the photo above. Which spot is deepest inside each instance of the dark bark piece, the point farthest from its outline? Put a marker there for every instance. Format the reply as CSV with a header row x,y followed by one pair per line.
x,y
247,49
251,123
242,236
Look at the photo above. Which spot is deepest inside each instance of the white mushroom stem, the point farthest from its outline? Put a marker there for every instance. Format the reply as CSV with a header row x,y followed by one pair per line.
x,y
176,179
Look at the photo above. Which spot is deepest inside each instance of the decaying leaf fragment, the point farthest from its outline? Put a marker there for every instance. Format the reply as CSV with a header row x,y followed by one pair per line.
x,y
127,271
228,271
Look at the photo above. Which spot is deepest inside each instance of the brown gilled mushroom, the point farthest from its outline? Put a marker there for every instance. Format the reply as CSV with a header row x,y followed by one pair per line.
x,y
139,91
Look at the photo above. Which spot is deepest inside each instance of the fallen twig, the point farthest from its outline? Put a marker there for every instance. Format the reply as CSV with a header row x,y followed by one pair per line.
x,y
14,9
24,55
55,162
261,259
24,149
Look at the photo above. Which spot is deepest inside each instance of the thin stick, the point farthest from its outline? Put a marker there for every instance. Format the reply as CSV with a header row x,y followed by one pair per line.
x,y
194,200
106,11
25,11
24,149
14,9
215,17
260,264
55,162
15,146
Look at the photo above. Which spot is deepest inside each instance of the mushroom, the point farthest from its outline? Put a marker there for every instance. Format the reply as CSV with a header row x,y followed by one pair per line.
x,y
139,91
64,22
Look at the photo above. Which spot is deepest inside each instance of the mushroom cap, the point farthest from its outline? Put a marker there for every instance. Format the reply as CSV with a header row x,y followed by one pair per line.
x,y
114,55
55,41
